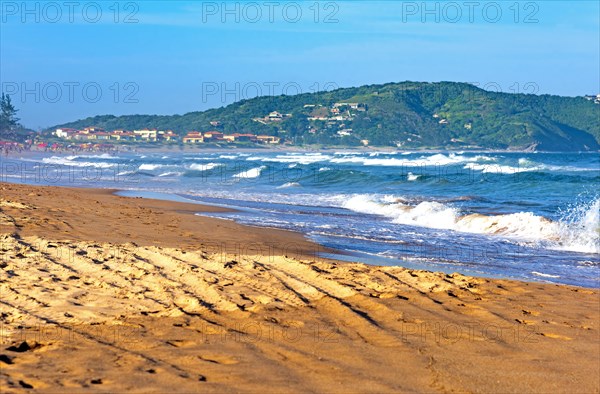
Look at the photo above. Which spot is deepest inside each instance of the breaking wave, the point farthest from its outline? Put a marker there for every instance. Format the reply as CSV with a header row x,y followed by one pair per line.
x,y
69,161
253,173
578,229
203,167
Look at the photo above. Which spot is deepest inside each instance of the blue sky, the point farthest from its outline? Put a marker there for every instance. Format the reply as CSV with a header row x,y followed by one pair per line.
x,y
63,63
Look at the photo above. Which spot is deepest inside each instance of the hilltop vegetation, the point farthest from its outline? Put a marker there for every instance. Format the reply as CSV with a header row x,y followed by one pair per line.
x,y
409,114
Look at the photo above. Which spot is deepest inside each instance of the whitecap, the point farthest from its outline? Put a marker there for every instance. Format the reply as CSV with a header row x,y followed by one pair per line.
x,y
204,167
289,184
412,177
249,174
149,167
577,231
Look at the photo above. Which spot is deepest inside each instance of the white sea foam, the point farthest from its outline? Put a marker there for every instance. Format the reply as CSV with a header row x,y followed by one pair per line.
x,y
204,167
544,275
172,173
498,169
579,228
69,161
437,159
252,173
101,156
375,154
577,231
307,158
150,167
412,177
289,184
525,165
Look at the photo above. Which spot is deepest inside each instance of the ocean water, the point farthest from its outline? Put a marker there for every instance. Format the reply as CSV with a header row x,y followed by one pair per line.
x,y
528,216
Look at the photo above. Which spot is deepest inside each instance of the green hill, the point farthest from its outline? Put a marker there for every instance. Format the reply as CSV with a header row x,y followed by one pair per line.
x,y
408,114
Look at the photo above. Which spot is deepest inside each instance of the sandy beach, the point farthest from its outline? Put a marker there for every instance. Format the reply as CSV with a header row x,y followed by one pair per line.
x,y
102,293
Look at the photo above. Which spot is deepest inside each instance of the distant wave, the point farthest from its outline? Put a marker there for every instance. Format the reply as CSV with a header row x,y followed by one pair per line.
x,y
150,167
544,275
101,156
123,173
172,173
525,165
437,159
204,167
289,184
69,161
306,158
253,173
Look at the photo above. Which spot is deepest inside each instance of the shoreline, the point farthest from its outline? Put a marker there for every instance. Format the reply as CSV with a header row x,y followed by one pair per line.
x,y
101,292
307,248
193,232
314,250
283,149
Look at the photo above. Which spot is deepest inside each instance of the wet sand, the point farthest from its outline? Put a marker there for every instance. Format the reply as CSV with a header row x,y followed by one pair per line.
x,y
113,294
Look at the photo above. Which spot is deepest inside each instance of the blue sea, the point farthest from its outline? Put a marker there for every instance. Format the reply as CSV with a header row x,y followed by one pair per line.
x,y
526,216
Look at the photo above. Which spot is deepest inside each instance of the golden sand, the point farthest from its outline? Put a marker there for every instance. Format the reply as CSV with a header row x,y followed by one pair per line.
x,y
111,294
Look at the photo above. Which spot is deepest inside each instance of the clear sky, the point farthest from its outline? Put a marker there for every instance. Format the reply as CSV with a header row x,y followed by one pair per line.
x,y
66,60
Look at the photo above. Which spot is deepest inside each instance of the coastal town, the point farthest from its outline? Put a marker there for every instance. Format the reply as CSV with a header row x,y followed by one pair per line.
x,y
93,138
98,139
97,134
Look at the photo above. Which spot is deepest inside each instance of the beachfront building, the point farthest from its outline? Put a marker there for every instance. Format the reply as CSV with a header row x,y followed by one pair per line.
x,y
193,137
147,134
91,130
268,139
65,133
104,136
121,135
168,136
237,137
79,136
213,135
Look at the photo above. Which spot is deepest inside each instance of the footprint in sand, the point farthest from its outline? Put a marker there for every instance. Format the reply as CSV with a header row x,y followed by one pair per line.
x,y
180,343
526,312
6,359
25,385
522,321
24,347
218,359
